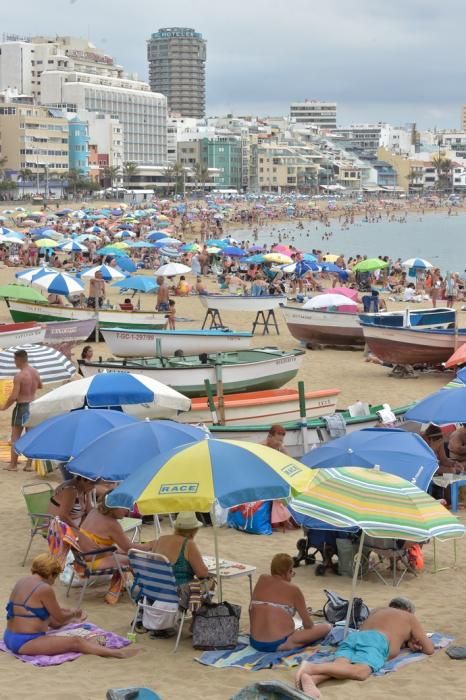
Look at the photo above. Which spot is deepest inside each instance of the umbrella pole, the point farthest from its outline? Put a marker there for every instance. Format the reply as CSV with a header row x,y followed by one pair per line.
x,y
303,417
357,566
217,560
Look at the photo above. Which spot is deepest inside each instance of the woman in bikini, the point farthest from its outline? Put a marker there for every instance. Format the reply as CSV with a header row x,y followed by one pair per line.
x,y
72,501
275,601
33,608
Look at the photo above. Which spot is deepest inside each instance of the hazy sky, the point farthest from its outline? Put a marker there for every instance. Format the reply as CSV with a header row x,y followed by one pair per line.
x,y
398,61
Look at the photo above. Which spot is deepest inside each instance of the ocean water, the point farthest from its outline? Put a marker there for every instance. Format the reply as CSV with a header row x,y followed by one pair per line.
x,y
439,238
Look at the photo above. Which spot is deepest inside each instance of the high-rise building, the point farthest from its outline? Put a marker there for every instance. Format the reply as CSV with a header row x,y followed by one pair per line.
x,y
315,112
177,58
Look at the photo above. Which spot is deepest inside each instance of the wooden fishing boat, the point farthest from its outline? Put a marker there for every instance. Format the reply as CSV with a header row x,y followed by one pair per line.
x,y
275,406
245,370
27,311
315,328
412,346
69,331
148,343
20,333
414,318
300,438
234,302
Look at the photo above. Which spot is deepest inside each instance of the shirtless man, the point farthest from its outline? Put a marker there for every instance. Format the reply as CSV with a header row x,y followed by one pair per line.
x,y
381,637
96,291
162,295
457,444
25,385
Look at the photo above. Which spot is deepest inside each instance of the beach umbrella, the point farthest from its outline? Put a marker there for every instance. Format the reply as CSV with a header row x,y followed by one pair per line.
x,y
108,273
346,292
124,234
442,407
140,244
458,357
62,437
309,257
126,264
193,477
392,450
370,264
257,259
118,453
417,263
216,243
59,283
233,251
45,243
95,229
324,301
168,241
136,394
303,267
138,283
4,231
330,257
120,245
329,267
51,364
255,248
172,269
72,247
21,293
278,258
156,235
109,250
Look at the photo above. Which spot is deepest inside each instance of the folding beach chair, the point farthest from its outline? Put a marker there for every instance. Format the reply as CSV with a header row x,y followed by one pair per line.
x,y
37,496
385,548
83,565
155,590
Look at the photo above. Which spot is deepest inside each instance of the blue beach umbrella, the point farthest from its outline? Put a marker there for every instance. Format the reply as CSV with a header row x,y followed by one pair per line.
x,y
442,408
156,235
62,437
58,283
258,258
138,283
233,251
109,250
118,453
126,264
216,243
108,273
392,450
72,247
329,267
304,266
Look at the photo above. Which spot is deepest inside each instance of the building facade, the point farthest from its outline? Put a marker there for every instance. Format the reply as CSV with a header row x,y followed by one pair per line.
x,y
177,58
315,112
78,144
223,154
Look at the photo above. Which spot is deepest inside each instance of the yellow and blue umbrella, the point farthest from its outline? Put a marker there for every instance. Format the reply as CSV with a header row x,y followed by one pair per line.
x,y
192,477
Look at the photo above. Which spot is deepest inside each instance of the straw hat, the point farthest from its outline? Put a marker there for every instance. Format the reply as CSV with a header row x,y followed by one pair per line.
x,y
187,521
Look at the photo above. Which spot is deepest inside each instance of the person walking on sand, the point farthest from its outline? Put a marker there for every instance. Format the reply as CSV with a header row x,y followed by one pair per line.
x,y
25,384
380,638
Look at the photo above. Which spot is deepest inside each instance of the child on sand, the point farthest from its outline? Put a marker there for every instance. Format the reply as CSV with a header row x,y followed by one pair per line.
x,y
171,316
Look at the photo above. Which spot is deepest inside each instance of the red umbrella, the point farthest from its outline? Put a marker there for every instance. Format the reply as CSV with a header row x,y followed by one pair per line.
x,y
346,292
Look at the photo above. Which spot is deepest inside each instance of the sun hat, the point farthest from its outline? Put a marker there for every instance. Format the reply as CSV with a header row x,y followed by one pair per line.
x,y
187,521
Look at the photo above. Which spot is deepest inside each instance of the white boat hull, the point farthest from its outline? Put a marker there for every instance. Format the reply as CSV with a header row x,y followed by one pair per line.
x,y
241,303
21,336
129,343
323,328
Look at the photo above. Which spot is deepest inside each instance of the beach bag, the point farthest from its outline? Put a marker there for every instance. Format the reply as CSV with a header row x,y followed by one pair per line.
x,y
216,626
254,517
336,610
415,557
159,615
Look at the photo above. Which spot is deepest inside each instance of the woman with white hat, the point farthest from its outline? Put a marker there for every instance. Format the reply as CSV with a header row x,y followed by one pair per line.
x,y
181,551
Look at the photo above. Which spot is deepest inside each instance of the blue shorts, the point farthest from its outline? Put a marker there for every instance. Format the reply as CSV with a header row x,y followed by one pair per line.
x,y
369,647
164,306
267,647
14,641
20,415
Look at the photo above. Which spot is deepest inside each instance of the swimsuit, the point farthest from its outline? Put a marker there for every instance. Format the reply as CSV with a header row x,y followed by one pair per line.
x,y
14,641
182,569
368,647
101,542
269,647
20,415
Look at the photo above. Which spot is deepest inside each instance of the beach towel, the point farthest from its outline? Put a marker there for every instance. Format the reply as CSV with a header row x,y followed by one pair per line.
x,y
246,657
113,641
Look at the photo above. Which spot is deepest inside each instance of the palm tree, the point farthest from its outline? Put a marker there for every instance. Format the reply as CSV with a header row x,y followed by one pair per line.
x,y
444,167
73,178
111,173
175,174
201,175
129,169
25,174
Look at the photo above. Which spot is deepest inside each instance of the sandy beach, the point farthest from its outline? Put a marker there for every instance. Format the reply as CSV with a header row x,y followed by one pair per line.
x,y
176,677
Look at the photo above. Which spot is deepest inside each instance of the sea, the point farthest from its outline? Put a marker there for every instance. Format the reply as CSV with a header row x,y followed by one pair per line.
x,y
438,238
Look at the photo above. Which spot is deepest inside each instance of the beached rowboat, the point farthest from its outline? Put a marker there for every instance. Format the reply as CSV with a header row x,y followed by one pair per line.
x,y
275,406
411,346
20,334
245,370
331,328
234,302
148,343
68,331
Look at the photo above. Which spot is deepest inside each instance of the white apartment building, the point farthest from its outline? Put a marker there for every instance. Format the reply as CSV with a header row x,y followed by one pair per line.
x,y
321,114
107,132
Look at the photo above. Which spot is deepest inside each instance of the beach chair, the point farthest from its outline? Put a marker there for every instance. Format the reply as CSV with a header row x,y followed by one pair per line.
x,y
83,565
385,548
154,582
37,496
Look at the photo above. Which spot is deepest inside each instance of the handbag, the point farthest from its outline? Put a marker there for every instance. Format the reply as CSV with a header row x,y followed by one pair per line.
x,y
336,610
216,626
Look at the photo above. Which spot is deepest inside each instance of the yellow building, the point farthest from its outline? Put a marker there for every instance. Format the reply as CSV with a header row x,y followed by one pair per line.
x,y
33,138
284,168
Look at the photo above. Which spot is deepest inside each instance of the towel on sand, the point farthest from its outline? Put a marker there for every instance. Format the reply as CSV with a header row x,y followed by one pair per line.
x,y
113,641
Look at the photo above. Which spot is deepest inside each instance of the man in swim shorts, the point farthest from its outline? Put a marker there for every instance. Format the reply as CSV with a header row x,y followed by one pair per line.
x,y
381,637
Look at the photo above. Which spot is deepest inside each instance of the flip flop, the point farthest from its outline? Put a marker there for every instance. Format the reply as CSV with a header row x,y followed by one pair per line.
x,y
457,653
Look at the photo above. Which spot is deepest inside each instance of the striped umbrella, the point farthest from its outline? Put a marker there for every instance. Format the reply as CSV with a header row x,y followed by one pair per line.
x,y
59,283
417,263
33,273
72,247
108,273
51,364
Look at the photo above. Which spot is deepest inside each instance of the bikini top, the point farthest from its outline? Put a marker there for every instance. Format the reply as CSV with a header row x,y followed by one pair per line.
x,y
41,613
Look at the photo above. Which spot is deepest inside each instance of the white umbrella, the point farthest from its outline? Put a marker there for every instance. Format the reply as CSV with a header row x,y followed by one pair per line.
x,y
172,269
323,301
72,246
166,402
51,364
59,283
28,275
108,273
417,263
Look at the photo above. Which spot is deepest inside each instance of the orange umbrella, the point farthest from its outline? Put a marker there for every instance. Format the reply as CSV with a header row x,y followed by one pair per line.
x,y
458,357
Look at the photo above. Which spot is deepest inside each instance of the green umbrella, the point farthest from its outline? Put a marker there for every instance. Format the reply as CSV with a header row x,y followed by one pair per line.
x,y
370,264
20,293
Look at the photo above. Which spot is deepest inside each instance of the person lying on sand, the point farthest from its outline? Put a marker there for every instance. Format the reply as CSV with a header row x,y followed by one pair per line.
x,y
275,601
33,608
381,637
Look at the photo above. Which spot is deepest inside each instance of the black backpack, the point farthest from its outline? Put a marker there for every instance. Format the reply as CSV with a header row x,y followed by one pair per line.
x,y
336,610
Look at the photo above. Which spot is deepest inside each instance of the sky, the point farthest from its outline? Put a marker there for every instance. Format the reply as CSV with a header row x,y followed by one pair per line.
x,y
398,61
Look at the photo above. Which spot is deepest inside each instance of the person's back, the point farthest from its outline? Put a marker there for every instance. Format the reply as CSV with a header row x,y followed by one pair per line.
x,y
397,625
272,608
29,383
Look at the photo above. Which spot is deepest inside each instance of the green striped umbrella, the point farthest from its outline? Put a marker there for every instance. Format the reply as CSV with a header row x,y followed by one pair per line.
x,y
381,504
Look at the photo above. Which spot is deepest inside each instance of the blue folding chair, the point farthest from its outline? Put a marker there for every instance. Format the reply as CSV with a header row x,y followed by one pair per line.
x,y
154,582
